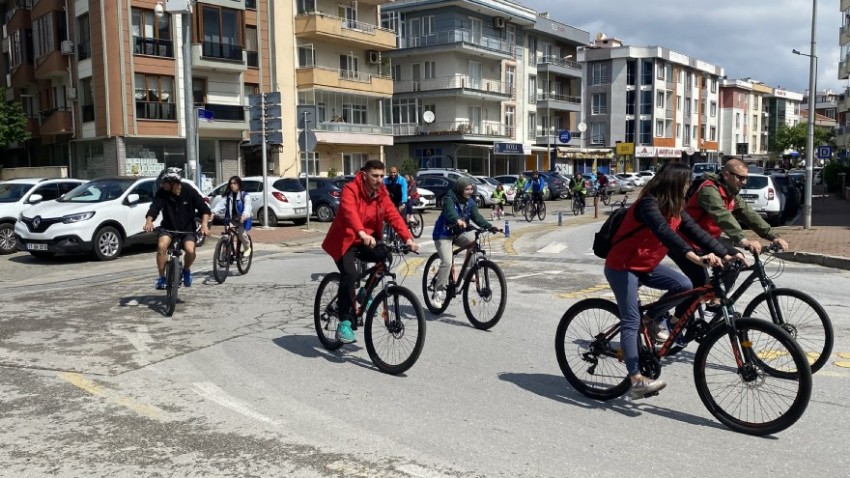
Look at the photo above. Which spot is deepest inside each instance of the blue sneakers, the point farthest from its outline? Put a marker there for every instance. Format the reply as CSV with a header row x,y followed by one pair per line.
x,y
344,333
160,283
187,277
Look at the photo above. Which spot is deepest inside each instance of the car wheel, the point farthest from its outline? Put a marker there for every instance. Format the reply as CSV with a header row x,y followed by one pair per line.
x,y
272,218
8,243
324,213
107,243
479,200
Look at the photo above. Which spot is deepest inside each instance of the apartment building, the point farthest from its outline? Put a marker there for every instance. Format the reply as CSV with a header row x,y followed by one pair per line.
x,y
842,137
103,83
783,108
744,119
826,103
458,73
343,75
662,102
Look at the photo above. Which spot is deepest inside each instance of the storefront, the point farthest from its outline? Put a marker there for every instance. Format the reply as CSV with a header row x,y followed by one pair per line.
x,y
583,160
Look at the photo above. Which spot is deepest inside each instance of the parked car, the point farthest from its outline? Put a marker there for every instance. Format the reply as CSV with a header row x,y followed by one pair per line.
x,y
101,216
324,196
507,181
754,169
439,186
617,185
18,195
762,195
793,196
646,175
510,192
427,198
554,183
483,190
700,168
636,179
287,199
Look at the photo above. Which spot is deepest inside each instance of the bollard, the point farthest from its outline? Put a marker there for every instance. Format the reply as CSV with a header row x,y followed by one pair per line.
x,y
507,229
560,218
595,206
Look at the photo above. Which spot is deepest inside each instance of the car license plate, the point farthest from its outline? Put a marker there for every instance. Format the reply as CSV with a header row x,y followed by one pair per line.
x,y
300,210
36,247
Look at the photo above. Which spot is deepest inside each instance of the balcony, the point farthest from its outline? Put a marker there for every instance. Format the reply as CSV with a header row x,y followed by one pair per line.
x,y
457,85
155,110
346,79
23,75
340,31
552,140
454,130
51,65
844,35
56,121
467,41
222,57
153,47
556,65
560,102
355,134
228,120
17,18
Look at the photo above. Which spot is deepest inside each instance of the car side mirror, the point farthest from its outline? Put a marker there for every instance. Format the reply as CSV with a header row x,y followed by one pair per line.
x,y
132,198
35,199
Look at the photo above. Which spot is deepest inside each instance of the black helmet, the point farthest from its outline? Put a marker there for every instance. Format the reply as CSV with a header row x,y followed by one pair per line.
x,y
171,175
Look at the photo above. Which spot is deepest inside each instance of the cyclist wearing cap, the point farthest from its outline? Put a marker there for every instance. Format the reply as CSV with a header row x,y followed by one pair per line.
x,y
178,208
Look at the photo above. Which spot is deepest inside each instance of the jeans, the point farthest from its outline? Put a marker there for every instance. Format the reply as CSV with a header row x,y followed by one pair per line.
x,y
444,249
624,284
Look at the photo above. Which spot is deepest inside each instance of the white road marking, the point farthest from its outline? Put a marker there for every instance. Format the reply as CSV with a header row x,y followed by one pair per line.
x,y
139,337
553,248
532,274
214,393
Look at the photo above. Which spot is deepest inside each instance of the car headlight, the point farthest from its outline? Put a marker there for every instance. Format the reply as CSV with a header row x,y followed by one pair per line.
x,y
82,216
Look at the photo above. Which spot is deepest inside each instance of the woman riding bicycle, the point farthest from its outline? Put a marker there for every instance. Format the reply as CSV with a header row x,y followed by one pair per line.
x,y
236,209
649,231
459,208
363,207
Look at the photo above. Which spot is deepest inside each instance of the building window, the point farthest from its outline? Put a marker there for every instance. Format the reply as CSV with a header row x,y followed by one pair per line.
x,y
646,102
510,113
510,78
679,103
646,72
702,132
687,137
352,113
47,31
532,89
713,83
599,74
310,162
155,97
645,136
428,25
659,99
430,69
352,162
86,97
405,111
599,104
597,133
251,4
659,128
678,131
532,126
737,120
306,6
83,37
16,50
252,46
630,131
221,32
151,35
712,133
630,73
660,71
306,56
396,72
630,102
713,109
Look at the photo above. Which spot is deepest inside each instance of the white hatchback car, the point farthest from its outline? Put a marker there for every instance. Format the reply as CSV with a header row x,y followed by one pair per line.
x,y
101,216
18,195
761,194
287,199
635,178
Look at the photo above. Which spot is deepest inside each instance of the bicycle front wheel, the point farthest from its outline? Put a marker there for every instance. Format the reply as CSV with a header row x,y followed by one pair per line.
x,y
221,260
243,262
485,295
541,210
576,207
326,311
395,330
768,393
516,207
429,285
172,284
802,317
530,211
417,225
589,353
606,198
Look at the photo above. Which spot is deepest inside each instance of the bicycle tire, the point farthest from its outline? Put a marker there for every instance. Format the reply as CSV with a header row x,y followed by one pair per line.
x,y
575,206
482,280
530,211
243,264
221,260
781,353
596,315
582,207
606,198
418,225
172,279
429,282
326,312
391,330
812,329
541,211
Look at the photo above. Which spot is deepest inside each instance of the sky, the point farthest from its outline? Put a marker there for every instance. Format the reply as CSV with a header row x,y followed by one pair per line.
x,y
748,38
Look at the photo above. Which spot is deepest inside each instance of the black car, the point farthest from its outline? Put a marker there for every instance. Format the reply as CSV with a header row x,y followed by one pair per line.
x,y
793,197
324,195
554,182
438,185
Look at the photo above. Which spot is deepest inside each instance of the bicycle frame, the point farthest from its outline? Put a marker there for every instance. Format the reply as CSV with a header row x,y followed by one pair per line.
x,y
474,252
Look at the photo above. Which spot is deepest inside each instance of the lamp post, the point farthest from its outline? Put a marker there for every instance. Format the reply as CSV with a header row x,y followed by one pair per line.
x,y
184,8
810,141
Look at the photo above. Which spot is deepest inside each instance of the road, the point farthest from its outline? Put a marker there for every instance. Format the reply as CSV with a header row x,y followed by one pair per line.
x,y
94,381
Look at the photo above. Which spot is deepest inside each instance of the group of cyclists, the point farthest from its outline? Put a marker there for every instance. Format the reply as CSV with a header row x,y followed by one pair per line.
x,y
665,221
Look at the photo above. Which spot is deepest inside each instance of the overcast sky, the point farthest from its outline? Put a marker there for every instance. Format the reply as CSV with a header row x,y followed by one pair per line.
x,y
748,38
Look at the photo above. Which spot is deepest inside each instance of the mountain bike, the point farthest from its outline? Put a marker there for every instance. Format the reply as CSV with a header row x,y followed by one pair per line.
x,y
535,207
228,250
173,269
482,282
578,203
395,322
749,373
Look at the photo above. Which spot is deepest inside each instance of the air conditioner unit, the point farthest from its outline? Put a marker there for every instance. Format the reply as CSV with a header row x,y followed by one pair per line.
x,y
499,22
71,93
374,57
67,47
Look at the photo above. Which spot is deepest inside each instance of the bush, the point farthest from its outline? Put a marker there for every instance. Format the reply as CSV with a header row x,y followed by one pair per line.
x,y
830,176
409,166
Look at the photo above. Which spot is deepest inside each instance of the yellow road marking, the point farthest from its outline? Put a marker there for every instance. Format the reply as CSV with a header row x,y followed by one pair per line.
x,y
410,265
589,291
844,355
842,364
93,388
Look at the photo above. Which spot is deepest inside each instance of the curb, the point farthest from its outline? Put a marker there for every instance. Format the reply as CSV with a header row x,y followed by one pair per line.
x,y
817,259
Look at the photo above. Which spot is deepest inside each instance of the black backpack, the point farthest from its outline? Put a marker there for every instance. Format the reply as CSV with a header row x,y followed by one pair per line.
x,y
694,187
602,241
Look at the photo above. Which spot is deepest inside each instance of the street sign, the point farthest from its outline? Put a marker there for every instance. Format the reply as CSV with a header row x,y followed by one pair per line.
x,y
625,149
824,152
272,111
307,140
564,136
205,115
272,124
741,148
312,115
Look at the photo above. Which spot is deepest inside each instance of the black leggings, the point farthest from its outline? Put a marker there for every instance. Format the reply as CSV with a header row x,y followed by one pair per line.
x,y
698,274
349,269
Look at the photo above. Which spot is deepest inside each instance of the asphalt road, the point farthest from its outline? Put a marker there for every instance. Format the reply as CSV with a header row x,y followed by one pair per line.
x,y
95,381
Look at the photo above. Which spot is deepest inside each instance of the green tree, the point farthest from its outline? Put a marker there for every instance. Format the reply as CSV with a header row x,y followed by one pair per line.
x,y
333,172
13,123
795,137
409,166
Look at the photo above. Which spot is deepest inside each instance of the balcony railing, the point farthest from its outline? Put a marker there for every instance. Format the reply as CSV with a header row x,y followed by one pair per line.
x,y
84,50
353,128
482,128
459,36
44,115
455,82
546,96
224,112
87,112
554,60
253,58
155,110
153,47
353,75
223,51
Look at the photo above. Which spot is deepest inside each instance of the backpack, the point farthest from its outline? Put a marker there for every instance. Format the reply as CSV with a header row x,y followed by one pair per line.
x,y
694,187
602,241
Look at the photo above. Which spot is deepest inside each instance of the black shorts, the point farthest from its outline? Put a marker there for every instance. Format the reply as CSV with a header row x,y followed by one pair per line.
x,y
183,237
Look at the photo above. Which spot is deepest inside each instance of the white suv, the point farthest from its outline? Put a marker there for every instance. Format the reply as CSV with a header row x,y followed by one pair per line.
x,y
18,195
761,194
287,199
101,216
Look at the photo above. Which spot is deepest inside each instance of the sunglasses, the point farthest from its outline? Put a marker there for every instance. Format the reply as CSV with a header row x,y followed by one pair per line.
x,y
741,178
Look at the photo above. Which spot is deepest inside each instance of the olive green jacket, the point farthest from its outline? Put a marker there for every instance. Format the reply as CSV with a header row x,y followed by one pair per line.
x,y
709,200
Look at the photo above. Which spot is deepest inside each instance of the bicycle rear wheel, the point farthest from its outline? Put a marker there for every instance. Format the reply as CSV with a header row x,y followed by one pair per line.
x,y
243,262
173,277
541,210
326,312
395,336
485,295
429,284
221,260
753,399
802,317
591,361
417,225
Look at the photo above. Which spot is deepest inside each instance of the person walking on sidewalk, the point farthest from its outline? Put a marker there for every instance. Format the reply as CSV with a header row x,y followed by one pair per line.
x,y
363,207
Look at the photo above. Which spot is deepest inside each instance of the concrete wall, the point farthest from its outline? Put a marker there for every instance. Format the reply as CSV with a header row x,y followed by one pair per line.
x,y
37,172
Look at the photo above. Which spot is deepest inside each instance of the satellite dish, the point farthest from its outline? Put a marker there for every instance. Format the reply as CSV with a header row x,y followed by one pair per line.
x,y
582,127
428,116
600,36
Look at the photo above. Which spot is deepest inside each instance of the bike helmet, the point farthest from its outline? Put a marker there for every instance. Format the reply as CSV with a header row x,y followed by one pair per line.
x,y
171,175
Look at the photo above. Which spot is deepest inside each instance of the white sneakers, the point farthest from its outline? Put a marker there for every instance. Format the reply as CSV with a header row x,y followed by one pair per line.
x,y
439,298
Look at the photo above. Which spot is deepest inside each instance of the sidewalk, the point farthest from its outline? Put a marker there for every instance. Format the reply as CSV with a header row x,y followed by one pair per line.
x,y
827,242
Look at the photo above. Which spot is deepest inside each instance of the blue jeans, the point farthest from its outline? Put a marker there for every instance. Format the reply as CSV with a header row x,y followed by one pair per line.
x,y
624,284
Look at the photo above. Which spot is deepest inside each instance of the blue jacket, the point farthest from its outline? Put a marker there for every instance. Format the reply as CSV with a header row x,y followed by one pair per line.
x,y
536,185
397,190
453,209
243,206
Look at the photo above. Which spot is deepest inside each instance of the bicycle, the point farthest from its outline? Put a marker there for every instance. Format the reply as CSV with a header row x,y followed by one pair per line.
x,y
477,280
401,316
417,224
519,204
759,358
229,250
535,207
173,269
604,194
578,203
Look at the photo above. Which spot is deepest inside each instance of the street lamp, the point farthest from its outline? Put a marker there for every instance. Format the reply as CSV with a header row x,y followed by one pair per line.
x,y
810,142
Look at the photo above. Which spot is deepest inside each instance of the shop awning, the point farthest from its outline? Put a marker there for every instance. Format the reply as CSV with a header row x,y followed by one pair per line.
x,y
585,153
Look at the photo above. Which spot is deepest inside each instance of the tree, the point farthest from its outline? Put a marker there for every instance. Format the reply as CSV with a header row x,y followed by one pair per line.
x,y
13,123
795,137
409,166
333,172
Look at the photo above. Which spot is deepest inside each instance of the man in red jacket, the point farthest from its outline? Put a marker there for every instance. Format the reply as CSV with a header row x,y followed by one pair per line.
x,y
363,207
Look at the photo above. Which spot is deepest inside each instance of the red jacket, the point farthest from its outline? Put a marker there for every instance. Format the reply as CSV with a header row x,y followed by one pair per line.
x,y
360,212
641,251
703,218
